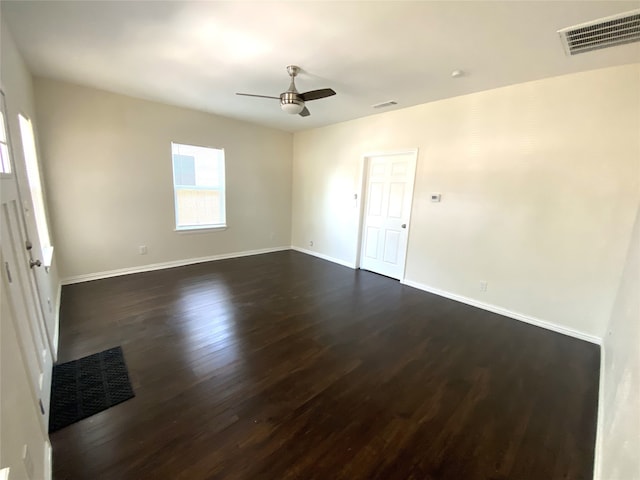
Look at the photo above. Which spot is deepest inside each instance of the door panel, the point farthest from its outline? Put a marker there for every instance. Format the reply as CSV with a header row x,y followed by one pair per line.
x,y
389,190
375,196
371,242
29,324
30,334
396,200
391,246
12,226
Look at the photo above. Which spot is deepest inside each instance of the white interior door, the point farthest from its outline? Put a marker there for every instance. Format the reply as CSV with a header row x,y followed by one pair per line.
x,y
385,228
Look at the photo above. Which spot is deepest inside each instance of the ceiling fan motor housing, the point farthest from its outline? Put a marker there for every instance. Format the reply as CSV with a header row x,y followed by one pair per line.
x,y
291,103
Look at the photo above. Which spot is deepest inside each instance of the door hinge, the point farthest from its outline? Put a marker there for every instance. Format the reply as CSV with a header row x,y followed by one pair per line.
x,y
6,267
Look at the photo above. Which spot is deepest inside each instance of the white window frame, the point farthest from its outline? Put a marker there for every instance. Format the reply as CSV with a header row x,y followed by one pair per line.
x,y
221,188
6,168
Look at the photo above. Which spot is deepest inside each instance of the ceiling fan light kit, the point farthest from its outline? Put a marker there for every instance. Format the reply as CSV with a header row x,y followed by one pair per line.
x,y
292,101
293,108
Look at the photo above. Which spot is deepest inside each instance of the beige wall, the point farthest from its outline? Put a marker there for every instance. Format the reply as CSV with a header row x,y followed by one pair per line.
x,y
539,185
107,162
620,429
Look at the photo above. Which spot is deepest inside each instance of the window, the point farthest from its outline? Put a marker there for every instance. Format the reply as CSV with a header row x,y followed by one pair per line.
x,y
5,163
35,188
198,186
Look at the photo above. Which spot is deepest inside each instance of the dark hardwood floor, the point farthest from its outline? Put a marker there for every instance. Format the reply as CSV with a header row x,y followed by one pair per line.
x,y
284,366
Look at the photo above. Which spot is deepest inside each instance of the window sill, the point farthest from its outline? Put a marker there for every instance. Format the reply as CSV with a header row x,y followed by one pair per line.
x,y
188,230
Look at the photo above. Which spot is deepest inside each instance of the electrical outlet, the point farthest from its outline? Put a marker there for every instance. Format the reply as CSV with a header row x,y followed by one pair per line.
x,y
142,249
483,286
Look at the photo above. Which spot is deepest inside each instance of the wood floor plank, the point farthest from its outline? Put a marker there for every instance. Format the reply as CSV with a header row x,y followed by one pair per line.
x,y
284,366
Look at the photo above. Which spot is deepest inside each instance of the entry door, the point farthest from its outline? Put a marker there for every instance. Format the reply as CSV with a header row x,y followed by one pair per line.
x,y
20,295
389,192
34,214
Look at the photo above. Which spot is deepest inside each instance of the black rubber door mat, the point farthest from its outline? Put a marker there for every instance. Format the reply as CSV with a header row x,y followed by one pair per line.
x,y
87,386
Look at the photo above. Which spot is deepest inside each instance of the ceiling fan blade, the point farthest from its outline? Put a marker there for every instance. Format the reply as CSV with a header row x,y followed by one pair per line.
x,y
259,96
305,112
317,94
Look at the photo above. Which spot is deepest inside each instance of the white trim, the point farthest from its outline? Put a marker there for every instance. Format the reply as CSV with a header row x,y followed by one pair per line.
x,y
205,229
364,164
507,313
384,153
324,257
56,324
597,458
48,460
160,266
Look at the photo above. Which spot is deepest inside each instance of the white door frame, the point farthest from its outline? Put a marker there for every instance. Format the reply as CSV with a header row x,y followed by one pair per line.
x,y
364,168
31,334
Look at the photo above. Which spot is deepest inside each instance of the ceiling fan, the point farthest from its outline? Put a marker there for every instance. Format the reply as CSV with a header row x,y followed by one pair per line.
x,y
293,101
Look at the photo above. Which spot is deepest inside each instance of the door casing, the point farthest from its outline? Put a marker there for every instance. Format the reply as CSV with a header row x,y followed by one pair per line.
x,y
364,168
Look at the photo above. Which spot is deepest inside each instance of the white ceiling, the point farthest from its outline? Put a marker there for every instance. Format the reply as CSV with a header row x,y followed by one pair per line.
x,y
198,54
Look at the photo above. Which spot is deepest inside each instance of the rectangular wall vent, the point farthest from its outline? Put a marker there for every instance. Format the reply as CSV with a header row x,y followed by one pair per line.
x,y
603,33
384,104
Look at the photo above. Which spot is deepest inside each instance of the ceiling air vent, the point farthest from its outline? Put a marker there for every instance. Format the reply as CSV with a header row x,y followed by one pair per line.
x,y
384,104
606,32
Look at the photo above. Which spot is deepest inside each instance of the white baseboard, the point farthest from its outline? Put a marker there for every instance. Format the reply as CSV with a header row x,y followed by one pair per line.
x,y
48,461
597,459
56,323
160,266
475,303
324,257
507,313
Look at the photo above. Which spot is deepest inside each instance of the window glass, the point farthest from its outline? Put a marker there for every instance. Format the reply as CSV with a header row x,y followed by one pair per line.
x,y
199,187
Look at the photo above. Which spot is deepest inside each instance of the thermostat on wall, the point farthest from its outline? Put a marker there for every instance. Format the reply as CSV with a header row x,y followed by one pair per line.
x,y
435,197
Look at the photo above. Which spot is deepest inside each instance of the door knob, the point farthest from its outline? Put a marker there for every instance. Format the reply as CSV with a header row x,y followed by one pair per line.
x,y
35,263
404,225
